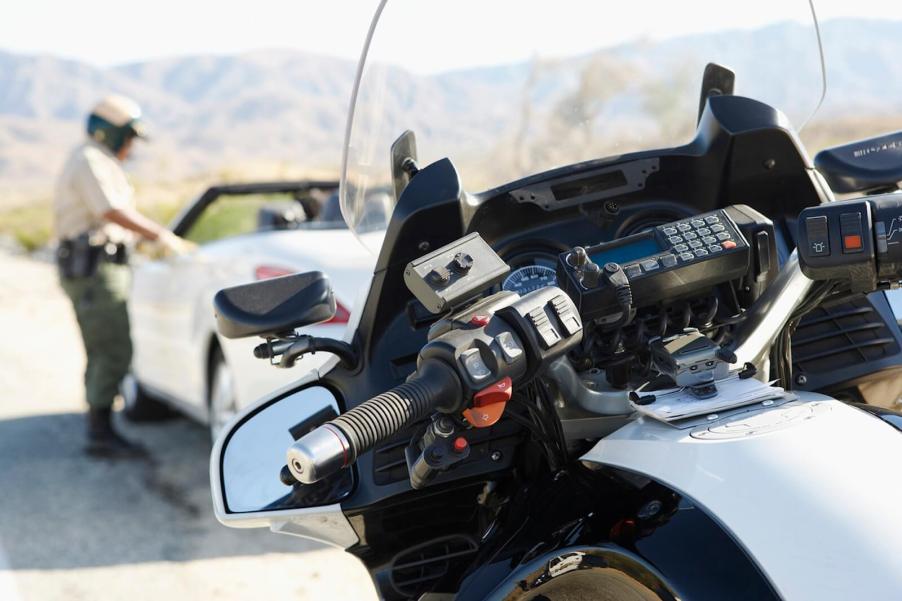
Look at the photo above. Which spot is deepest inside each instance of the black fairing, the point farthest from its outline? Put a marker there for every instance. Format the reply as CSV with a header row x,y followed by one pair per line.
x,y
608,531
743,153
873,165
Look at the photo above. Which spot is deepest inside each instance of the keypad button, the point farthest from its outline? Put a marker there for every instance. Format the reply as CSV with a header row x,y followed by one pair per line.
x,y
703,231
650,265
700,252
714,248
711,219
684,227
668,260
670,231
633,270
690,236
717,228
681,248
675,239
728,244
687,256
723,236
698,223
695,244
709,239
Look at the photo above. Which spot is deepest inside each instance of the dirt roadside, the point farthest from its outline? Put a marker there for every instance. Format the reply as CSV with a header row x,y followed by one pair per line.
x,y
76,529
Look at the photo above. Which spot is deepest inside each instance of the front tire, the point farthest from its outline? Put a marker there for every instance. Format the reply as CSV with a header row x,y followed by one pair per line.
x,y
140,406
223,404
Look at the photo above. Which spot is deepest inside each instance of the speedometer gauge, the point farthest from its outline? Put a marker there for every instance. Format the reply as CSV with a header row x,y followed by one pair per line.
x,y
529,278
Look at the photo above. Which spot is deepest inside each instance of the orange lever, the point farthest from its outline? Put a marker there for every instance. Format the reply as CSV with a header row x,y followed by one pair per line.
x,y
489,403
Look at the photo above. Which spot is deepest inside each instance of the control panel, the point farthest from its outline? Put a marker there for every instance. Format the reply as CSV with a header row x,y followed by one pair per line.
x,y
859,241
665,263
454,274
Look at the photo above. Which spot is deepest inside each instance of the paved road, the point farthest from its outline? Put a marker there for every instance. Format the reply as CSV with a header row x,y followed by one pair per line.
x,y
78,529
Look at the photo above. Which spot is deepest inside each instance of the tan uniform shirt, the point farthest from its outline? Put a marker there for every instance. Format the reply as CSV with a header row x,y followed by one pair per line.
x,y
92,183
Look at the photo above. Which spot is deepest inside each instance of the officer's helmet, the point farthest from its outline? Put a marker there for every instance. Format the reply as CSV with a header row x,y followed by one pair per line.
x,y
114,121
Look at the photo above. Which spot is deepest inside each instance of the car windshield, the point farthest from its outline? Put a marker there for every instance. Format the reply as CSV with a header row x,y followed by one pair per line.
x,y
510,88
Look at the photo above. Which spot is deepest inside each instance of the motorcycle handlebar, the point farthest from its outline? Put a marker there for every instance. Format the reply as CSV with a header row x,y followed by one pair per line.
x,y
338,442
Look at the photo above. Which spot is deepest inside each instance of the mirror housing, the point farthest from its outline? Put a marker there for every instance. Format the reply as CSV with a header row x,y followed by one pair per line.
x,y
247,465
274,306
868,166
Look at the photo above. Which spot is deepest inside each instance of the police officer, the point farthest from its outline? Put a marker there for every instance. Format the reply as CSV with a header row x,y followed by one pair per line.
x,y
95,220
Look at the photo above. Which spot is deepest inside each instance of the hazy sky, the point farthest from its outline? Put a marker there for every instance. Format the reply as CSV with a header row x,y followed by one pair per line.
x,y
105,32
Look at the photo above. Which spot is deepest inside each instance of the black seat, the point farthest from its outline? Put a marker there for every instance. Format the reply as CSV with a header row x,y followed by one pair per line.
x,y
865,166
274,306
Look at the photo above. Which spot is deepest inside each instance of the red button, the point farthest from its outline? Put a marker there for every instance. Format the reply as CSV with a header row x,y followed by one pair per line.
x,y
852,241
728,244
480,321
460,444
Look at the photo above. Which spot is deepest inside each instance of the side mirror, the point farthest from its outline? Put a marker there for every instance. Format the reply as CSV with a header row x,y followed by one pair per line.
x,y
869,166
274,306
251,484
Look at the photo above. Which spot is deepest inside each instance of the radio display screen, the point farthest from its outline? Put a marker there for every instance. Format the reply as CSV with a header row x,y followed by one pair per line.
x,y
626,252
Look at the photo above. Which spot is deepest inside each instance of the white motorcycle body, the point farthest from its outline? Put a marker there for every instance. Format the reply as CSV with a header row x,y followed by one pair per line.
x,y
810,489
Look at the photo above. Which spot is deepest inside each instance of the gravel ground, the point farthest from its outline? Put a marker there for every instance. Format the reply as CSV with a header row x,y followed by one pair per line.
x,y
73,528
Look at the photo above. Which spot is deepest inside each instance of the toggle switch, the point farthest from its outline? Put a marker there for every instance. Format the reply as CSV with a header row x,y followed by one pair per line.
x,y
850,229
818,236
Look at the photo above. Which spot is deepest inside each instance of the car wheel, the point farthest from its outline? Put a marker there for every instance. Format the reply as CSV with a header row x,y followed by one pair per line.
x,y
223,405
139,405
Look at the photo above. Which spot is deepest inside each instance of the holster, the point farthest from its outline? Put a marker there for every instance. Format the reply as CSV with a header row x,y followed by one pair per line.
x,y
79,258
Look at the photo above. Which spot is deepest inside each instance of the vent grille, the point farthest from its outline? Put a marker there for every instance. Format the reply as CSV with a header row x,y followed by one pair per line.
x,y
835,337
416,570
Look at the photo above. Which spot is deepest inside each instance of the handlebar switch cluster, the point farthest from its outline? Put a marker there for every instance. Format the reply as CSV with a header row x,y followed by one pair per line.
x,y
836,242
858,240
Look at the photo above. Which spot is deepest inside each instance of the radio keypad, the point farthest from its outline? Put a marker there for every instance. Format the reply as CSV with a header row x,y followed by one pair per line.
x,y
690,241
694,238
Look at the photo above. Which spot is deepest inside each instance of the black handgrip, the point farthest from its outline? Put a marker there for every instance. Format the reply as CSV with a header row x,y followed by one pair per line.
x,y
338,442
381,417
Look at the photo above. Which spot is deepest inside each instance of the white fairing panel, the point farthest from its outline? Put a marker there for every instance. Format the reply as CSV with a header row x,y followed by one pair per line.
x,y
811,489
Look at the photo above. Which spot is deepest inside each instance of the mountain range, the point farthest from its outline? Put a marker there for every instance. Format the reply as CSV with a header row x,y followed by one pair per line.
x,y
285,107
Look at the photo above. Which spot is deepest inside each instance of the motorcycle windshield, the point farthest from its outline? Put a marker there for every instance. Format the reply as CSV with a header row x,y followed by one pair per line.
x,y
507,88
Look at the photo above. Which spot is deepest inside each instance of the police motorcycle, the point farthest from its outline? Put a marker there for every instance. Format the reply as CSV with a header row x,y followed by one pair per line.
x,y
579,383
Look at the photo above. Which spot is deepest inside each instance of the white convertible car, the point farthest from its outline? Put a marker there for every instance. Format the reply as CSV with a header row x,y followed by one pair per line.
x,y
244,232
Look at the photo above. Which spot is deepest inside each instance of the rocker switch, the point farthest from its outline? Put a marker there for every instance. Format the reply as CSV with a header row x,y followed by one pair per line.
x,y
818,236
850,228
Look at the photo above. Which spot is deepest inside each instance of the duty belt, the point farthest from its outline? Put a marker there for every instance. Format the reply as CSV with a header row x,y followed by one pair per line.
x,y
79,257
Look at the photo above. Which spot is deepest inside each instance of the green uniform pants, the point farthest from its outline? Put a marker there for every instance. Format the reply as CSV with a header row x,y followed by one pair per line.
x,y
100,306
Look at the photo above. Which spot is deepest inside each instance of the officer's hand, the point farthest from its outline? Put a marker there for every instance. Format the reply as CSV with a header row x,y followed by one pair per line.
x,y
174,245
